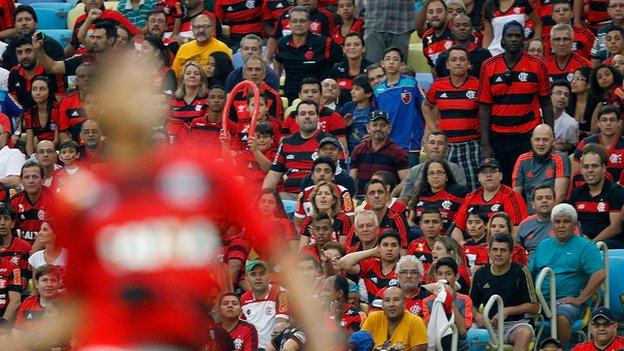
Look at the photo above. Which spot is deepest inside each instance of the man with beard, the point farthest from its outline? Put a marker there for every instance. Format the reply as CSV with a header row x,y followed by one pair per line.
x,y
102,39
542,165
599,202
92,149
156,26
576,263
438,37
295,154
510,99
462,36
394,327
243,334
603,327
26,24
377,153
22,74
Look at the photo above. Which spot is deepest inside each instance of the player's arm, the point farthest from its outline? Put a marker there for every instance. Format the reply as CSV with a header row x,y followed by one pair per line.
x,y
561,187
272,179
547,111
428,110
84,29
614,228
270,50
578,12
485,117
14,303
50,66
351,262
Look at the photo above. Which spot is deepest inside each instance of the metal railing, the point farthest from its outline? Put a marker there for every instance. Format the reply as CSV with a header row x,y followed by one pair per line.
x,y
454,338
496,341
549,310
605,257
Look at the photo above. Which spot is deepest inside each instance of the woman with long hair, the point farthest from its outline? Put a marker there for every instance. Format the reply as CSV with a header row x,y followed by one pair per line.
x,y
354,65
156,53
190,101
218,68
582,103
271,208
500,223
42,121
438,188
445,246
325,198
605,85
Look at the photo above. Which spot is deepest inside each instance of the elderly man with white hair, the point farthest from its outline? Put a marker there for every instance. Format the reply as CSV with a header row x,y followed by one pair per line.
x,y
578,267
409,269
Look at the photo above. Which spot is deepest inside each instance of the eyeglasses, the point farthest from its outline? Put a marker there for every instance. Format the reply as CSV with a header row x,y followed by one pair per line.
x,y
436,173
602,325
298,21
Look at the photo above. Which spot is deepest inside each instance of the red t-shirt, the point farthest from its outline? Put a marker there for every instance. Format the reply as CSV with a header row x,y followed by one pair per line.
x,y
616,344
505,200
31,215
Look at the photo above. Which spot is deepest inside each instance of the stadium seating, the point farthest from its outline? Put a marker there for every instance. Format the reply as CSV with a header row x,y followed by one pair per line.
x,y
616,267
79,10
63,36
50,18
30,2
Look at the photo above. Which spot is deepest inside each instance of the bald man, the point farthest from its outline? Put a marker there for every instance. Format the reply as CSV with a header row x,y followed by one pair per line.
x,y
394,325
45,153
542,165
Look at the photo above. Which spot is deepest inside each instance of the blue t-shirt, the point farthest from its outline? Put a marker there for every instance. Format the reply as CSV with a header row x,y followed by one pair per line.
x,y
573,263
402,103
357,129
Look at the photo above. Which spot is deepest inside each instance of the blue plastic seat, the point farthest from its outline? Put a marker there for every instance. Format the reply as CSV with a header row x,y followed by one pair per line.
x,y
63,36
51,18
30,2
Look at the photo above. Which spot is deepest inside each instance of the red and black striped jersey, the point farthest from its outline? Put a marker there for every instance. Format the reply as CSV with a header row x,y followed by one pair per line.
x,y
615,154
583,41
173,9
17,253
447,201
56,123
422,251
31,215
596,15
555,72
240,133
330,121
594,211
544,10
514,93
10,280
341,227
321,22
433,44
356,27
374,279
459,109
7,10
272,9
294,158
505,200
304,206
181,110
203,130
254,175
71,109
391,221
340,73
243,16
20,81
240,113
244,337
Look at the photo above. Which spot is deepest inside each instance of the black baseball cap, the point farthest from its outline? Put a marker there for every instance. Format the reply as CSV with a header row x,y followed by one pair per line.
x,y
550,341
330,140
489,162
602,312
378,114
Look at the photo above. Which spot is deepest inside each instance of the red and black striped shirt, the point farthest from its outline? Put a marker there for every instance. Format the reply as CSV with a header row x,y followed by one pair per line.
x,y
597,14
341,226
556,73
10,280
272,9
330,121
421,251
30,215
594,211
71,109
374,279
55,123
356,27
514,93
321,22
294,159
433,45
203,130
505,200
17,253
243,16
240,113
244,336
391,221
447,200
459,109
181,110
19,84
583,41
615,164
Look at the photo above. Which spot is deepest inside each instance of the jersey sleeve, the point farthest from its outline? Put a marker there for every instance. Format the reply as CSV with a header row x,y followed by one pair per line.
x,y
299,210
336,125
279,163
517,178
526,287
517,208
485,93
61,121
431,94
281,305
544,81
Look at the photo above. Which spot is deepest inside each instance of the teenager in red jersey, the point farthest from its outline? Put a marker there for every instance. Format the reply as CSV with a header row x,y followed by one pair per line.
x,y
13,250
68,153
142,270
32,204
33,309
244,335
206,128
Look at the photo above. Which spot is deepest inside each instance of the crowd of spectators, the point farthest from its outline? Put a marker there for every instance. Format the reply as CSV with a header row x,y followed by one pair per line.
x,y
399,204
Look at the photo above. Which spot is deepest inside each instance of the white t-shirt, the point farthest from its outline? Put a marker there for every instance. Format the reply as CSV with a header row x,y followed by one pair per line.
x,y
37,260
566,129
11,161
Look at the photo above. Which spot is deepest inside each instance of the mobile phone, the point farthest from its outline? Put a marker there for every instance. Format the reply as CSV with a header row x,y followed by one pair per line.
x,y
38,35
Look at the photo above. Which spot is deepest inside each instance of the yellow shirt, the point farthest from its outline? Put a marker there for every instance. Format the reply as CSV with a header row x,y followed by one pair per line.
x,y
192,51
410,332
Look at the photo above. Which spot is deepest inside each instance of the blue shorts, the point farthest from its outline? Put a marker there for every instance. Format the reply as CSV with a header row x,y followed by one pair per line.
x,y
569,311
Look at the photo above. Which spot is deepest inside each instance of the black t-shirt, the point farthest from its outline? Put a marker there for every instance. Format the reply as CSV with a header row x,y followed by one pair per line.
x,y
50,46
593,211
72,63
515,288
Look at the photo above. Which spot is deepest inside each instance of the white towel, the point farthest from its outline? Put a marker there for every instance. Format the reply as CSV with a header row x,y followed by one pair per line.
x,y
438,319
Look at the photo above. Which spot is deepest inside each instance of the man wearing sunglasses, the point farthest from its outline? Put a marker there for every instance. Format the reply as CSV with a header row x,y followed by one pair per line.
x,y
603,328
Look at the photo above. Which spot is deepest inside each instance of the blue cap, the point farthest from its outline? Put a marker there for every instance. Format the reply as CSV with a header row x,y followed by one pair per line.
x,y
361,341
